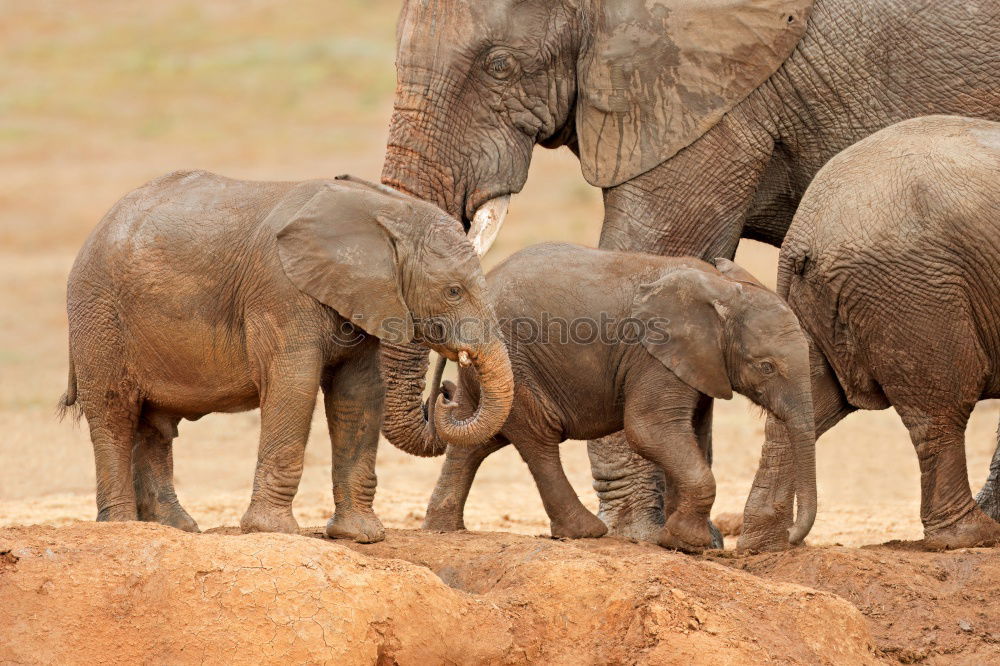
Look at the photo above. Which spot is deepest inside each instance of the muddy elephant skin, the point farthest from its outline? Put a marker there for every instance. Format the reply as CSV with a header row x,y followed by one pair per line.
x,y
601,341
197,294
703,122
892,265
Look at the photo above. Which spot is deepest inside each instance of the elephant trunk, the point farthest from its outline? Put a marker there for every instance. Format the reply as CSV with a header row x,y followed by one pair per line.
x,y
414,162
496,394
404,371
802,438
410,171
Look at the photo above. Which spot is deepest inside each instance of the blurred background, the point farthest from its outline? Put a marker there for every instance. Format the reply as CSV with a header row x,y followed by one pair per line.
x,y
99,96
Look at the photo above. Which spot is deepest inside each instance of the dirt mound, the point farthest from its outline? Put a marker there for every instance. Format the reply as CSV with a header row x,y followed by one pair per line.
x,y
140,593
921,607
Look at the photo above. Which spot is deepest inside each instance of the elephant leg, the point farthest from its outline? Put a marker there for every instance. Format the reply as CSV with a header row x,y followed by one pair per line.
x,y
988,498
631,489
936,411
658,435
353,402
569,518
702,422
153,473
288,399
767,516
447,505
112,430
635,497
951,517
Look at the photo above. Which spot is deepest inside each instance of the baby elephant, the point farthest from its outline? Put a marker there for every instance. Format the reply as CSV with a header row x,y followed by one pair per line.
x,y
199,294
601,341
892,264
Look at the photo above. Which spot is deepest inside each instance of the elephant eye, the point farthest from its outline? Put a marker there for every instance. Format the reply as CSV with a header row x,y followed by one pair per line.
x,y
500,65
453,292
766,367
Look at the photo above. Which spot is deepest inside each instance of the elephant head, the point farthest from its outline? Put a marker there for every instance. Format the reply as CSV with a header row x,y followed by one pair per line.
x,y
626,84
403,271
725,333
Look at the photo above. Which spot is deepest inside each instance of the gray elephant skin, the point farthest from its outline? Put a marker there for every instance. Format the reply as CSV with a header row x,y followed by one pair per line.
x,y
198,294
602,341
892,265
703,122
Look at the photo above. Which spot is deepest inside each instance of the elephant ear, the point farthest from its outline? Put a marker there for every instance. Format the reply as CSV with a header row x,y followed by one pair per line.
x,y
734,271
658,74
337,248
683,327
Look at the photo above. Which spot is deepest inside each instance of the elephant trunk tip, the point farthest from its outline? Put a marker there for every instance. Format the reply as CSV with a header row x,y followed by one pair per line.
x,y
496,396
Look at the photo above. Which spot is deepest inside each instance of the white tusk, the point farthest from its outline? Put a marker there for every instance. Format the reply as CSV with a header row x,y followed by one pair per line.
x,y
487,222
463,359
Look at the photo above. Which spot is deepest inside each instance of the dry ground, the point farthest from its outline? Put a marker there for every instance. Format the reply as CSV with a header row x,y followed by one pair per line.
x,y
495,598
98,96
147,593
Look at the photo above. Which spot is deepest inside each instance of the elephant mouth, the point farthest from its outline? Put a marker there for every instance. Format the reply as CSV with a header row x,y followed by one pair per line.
x,y
484,215
478,197
464,357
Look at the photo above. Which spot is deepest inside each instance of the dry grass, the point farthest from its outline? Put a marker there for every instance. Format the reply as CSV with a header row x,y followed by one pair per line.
x,y
98,96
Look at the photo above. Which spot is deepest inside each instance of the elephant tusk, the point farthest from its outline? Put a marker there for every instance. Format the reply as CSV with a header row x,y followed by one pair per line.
x,y
487,222
463,359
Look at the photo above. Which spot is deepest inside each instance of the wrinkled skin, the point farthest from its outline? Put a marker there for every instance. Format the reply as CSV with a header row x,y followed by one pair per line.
x,y
988,498
724,333
199,294
891,265
461,136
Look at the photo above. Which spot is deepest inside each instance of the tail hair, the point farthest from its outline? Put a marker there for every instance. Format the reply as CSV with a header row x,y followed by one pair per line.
x,y
64,408
67,403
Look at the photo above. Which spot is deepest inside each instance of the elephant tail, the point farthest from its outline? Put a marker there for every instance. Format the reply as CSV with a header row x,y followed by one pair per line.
x,y
67,403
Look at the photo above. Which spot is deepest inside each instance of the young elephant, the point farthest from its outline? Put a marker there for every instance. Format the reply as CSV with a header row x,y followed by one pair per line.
x,y
602,340
198,294
893,267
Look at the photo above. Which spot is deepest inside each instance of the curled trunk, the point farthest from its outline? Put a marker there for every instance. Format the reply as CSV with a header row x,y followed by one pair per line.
x,y
404,369
496,394
404,372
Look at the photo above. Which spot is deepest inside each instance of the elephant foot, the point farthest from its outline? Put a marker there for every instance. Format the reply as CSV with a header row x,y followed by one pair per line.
x,y
171,514
118,513
764,527
579,526
764,533
974,529
629,487
168,512
988,500
261,518
641,525
443,520
687,533
717,541
363,526
763,541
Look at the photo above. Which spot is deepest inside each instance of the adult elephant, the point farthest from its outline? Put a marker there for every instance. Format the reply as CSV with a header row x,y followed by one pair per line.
x,y
703,121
